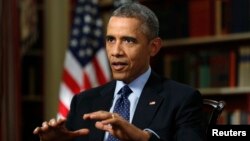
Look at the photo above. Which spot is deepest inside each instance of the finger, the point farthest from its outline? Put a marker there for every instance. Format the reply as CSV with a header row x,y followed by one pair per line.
x,y
115,118
61,121
99,115
105,127
45,126
91,115
81,132
45,123
52,122
37,130
86,116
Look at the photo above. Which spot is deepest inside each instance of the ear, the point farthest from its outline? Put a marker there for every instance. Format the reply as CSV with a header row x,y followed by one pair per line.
x,y
155,46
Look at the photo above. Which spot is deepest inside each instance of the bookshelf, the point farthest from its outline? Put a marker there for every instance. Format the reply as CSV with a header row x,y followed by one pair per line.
x,y
225,91
211,43
237,97
217,39
32,66
192,50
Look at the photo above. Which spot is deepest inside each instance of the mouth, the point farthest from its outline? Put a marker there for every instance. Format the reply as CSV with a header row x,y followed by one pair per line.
x,y
118,66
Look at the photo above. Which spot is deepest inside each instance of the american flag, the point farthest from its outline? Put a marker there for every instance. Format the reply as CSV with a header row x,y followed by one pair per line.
x,y
86,64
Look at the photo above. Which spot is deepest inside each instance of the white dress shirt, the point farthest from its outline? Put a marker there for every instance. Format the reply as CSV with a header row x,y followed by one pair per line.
x,y
136,86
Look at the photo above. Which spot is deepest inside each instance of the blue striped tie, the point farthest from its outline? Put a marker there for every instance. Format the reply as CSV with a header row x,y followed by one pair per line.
x,y
122,106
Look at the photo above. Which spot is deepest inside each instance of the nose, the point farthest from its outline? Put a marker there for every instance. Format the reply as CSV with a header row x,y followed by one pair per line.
x,y
117,49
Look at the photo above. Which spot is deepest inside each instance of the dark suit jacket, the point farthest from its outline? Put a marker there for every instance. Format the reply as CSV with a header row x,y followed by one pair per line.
x,y
176,114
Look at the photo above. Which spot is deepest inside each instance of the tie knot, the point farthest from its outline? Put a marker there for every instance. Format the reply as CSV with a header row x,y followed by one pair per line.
x,y
125,91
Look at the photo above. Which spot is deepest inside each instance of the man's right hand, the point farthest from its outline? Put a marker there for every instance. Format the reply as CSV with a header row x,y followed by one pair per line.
x,y
55,130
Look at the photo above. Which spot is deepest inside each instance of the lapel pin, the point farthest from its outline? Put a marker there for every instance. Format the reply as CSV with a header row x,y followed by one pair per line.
x,y
152,103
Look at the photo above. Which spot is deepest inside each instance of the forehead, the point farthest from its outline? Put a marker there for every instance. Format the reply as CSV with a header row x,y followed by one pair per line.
x,y
123,23
123,26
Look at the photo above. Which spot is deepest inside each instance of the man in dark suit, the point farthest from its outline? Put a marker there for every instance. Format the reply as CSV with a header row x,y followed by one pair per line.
x,y
156,108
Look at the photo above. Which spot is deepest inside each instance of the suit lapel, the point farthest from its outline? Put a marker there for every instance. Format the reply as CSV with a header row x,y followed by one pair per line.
x,y
103,102
148,103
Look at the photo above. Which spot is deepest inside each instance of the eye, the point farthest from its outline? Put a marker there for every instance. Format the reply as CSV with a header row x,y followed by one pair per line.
x,y
110,39
130,40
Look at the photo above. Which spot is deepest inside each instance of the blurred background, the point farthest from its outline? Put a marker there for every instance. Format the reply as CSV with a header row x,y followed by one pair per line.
x,y
53,49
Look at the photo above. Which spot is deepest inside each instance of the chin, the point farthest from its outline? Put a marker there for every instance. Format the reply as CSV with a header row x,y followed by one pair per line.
x,y
119,76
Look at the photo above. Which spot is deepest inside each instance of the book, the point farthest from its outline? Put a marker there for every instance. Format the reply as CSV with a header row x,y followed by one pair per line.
x,y
244,66
201,18
219,67
223,16
240,21
232,68
204,70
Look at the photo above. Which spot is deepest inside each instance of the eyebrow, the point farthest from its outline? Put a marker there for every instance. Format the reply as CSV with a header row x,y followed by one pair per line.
x,y
123,37
129,38
109,37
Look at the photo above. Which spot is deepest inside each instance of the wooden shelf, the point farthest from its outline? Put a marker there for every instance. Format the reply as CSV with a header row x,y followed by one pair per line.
x,y
225,91
32,98
206,40
34,52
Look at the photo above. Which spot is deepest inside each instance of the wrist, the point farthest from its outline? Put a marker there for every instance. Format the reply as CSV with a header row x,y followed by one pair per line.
x,y
146,135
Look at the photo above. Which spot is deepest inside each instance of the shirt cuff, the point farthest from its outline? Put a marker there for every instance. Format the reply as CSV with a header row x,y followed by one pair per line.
x,y
151,131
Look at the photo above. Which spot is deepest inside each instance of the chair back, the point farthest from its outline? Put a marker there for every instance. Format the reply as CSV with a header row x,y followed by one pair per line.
x,y
212,109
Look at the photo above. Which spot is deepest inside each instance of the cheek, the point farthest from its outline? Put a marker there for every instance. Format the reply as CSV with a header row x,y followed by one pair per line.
x,y
137,59
108,51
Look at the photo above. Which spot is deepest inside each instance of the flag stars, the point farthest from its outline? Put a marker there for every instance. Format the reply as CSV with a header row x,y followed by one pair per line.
x,y
86,29
85,52
79,10
81,53
93,11
89,52
90,9
73,43
77,21
99,23
95,44
83,42
87,8
87,19
97,33
75,32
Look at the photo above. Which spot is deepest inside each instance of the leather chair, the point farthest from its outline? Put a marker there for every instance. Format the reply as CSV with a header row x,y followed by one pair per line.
x,y
212,110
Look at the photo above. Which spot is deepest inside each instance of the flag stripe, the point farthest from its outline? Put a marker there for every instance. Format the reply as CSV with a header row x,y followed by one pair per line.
x,y
98,72
62,109
86,82
103,62
70,82
65,95
73,67
90,72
